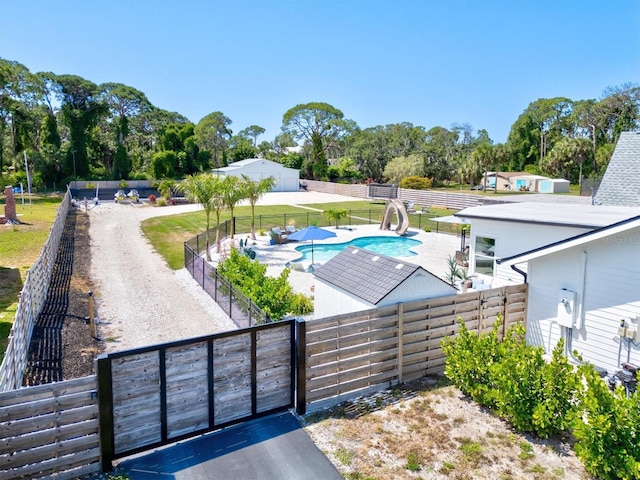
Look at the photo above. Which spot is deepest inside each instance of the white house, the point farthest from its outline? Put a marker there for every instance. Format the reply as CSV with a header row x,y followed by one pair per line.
x,y
287,179
586,289
499,231
357,279
553,185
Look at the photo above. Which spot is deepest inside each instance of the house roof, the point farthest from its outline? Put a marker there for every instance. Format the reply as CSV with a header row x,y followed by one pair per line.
x,y
620,184
515,174
366,274
583,238
574,215
249,162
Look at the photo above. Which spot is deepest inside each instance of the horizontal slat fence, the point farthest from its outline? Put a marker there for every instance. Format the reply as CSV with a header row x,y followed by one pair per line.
x,y
163,393
455,201
32,299
377,348
50,431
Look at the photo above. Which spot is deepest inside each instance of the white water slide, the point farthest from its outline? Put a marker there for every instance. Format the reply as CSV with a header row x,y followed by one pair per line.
x,y
396,207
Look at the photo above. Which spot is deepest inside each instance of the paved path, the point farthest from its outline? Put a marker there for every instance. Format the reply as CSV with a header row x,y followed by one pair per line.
x,y
271,448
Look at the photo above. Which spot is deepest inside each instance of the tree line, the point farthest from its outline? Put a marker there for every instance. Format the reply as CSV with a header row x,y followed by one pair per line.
x,y
67,127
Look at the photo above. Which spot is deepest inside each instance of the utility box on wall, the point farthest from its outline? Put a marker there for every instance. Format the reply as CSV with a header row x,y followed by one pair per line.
x,y
566,308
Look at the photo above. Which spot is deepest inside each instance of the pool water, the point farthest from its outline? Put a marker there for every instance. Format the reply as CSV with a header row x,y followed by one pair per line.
x,y
389,246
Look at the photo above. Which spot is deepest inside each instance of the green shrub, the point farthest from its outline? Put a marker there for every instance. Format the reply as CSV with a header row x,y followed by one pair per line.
x,y
274,295
513,378
607,430
416,183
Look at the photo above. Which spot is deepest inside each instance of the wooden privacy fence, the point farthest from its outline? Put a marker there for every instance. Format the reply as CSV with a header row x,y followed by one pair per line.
x,y
455,201
377,348
32,299
160,394
148,397
50,431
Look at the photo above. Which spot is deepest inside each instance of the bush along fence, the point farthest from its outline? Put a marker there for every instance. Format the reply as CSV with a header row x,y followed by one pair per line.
x,y
30,304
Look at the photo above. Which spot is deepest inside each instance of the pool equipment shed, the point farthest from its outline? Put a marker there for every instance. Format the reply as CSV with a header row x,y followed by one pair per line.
x,y
357,279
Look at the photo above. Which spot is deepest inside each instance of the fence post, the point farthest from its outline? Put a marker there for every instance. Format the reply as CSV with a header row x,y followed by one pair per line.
x,y
400,341
105,413
301,366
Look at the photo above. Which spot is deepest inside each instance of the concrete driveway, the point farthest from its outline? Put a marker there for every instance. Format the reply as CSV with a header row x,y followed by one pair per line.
x,y
271,448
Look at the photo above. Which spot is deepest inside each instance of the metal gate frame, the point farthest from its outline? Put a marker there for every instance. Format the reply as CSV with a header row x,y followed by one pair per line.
x,y
105,392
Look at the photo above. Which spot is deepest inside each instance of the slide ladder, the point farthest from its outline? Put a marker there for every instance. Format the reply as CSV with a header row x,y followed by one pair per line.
x,y
396,207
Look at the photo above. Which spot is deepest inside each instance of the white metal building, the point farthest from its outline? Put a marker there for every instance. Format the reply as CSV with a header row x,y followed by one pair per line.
x,y
583,289
287,179
357,279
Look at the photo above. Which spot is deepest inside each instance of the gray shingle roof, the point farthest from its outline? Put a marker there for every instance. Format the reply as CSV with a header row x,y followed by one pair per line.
x,y
365,274
621,181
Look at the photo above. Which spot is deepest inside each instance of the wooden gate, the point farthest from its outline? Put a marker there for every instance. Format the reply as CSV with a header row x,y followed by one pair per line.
x,y
164,393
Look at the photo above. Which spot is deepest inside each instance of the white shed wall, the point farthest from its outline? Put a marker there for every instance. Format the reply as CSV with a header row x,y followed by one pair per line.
x,y
329,301
287,179
513,238
611,293
419,286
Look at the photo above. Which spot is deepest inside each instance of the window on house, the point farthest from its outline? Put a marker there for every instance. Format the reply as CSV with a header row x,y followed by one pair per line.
x,y
485,255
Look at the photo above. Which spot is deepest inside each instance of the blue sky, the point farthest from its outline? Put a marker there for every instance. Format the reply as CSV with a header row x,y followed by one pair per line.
x,y
430,63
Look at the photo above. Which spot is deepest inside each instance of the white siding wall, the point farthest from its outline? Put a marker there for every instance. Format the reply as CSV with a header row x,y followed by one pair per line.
x,y
329,301
513,238
419,286
611,292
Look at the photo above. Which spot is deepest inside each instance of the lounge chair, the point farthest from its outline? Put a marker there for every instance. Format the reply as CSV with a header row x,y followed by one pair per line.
x,y
461,259
278,236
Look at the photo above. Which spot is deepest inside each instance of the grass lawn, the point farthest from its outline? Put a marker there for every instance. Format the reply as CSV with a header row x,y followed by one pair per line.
x,y
20,246
167,234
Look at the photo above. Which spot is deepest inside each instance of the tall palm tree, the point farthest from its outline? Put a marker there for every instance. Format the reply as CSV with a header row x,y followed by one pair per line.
x,y
232,193
205,189
253,191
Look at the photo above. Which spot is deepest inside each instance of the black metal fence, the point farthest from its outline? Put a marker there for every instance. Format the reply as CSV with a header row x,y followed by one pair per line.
x,y
236,304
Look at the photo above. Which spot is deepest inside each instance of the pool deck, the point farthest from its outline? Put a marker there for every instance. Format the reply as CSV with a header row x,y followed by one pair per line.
x,y
432,255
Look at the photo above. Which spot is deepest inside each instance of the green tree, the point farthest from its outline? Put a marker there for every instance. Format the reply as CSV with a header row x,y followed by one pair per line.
x,y
253,191
240,148
314,122
81,110
401,167
252,132
212,134
205,189
566,154
336,214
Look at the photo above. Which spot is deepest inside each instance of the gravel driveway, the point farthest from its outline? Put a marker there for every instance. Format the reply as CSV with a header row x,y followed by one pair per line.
x,y
139,300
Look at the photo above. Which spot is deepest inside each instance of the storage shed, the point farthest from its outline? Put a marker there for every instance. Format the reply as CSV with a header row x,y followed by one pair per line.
x,y
357,279
287,179
553,185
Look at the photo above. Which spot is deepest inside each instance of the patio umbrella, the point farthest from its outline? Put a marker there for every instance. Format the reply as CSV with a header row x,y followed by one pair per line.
x,y
311,233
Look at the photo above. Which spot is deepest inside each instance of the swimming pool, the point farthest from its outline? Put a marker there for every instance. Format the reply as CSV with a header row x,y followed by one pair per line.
x,y
389,246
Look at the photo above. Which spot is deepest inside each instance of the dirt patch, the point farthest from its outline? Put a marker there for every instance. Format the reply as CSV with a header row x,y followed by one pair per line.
x,y
80,349
428,429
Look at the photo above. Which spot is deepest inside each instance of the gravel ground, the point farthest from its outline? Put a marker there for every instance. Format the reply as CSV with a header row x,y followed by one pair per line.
x,y
139,299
